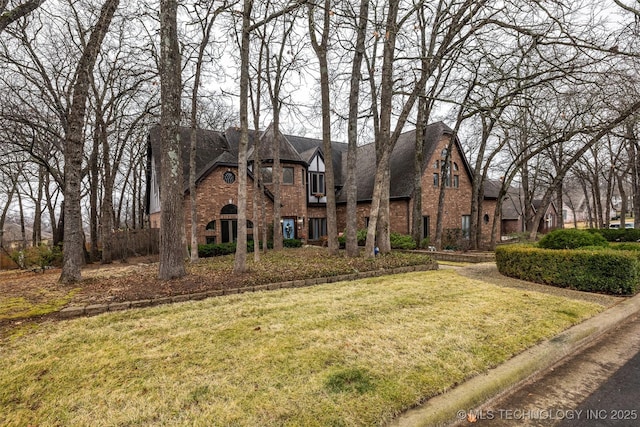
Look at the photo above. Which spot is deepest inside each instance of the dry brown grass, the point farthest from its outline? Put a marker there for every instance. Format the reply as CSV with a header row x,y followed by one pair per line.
x,y
348,353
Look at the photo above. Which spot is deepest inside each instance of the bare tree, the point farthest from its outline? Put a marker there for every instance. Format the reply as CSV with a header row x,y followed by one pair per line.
x,y
206,24
352,133
74,144
172,237
321,47
8,16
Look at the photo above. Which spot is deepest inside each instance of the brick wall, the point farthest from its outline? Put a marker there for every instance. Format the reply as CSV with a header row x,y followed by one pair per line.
x,y
213,193
457,201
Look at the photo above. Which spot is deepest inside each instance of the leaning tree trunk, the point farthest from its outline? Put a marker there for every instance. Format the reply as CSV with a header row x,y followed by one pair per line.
x,y
73,250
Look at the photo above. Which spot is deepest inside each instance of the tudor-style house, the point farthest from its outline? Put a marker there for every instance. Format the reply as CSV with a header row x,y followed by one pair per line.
x,y
303,192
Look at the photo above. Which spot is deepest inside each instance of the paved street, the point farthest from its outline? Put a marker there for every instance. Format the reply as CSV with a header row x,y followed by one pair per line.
x,y
599,386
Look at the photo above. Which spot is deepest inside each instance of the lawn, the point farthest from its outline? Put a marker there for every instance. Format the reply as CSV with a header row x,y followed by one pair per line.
x,y
346,353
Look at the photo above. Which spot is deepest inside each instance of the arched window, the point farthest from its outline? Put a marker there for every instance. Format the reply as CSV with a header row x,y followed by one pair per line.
x,y
229,210
211,225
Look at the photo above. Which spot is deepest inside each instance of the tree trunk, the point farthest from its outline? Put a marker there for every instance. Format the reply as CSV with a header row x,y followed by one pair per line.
x,y
51,209
94,180
416,224
172,234
321,52
37,218
73,258
352,249
240,261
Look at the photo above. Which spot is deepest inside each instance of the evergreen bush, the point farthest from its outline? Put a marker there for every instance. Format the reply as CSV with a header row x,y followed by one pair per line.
x,y
571,238
604,270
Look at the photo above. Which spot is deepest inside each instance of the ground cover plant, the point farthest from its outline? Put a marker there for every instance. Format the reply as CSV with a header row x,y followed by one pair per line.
x,y
346,353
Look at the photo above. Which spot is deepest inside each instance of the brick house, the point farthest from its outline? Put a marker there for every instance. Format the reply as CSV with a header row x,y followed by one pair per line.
x,y
512,212
303,200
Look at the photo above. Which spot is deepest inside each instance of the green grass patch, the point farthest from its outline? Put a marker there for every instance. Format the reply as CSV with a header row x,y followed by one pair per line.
x,y
347,353
23,307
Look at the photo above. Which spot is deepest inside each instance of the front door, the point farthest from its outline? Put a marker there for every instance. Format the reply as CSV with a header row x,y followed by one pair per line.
x,y
229,230
289,228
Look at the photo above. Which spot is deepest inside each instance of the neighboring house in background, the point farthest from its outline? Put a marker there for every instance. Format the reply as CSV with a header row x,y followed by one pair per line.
x,y
512,212
12,237
575,208
303,192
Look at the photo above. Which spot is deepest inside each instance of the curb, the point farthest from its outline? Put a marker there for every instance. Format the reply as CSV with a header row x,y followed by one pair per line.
x,y
450,407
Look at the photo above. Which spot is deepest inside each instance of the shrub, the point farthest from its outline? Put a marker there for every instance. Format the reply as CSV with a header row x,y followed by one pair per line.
x,y
219,249
571,238
618,235
361,236
626,247
402,241
292,243
455,240
424,243
216,249
603,270
41,256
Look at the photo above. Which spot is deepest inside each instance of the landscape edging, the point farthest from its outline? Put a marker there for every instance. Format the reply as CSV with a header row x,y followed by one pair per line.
x,y
95,309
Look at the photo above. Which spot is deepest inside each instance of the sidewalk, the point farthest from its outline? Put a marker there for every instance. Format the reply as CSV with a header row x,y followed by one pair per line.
x,y
452,406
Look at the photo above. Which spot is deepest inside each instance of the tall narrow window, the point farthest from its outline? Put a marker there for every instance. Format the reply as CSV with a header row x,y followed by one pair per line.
x,y
436,179
287,175
425,226
317,228
466,225
316,179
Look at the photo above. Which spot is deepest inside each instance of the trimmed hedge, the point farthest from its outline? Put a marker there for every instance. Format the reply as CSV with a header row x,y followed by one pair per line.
x,y
571,238
398,241
402,241
618,234
219,249
604,271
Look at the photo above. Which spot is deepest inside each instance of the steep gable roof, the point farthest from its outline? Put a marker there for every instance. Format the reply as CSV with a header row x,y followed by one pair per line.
x,y
209,145
401,162
268,141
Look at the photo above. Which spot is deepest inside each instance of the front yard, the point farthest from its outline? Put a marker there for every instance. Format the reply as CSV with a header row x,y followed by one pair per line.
x,y
345,353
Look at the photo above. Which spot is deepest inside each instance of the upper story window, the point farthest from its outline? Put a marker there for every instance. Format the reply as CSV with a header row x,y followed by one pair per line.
x,y
316,183
287,175
229,177
267,174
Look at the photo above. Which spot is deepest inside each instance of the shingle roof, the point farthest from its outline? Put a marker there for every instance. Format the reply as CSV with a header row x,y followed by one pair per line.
x,y
401,163
221,148
209,145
